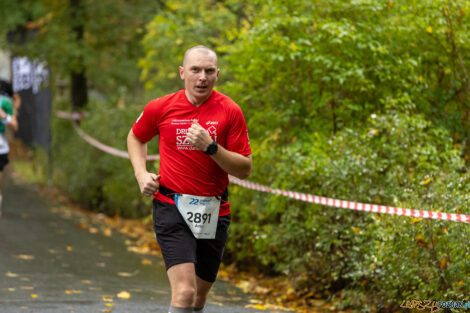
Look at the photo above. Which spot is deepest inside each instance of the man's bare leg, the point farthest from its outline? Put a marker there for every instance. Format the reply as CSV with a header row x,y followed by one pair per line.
x,y
203,288
183,287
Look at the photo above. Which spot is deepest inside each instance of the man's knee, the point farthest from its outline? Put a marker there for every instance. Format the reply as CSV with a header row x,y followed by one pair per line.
x,y
185,296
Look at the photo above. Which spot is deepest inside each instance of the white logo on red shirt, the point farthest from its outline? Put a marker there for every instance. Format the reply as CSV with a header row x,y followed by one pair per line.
x,y
182,126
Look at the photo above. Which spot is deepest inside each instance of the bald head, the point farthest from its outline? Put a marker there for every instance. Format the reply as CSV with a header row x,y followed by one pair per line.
x,y
200,49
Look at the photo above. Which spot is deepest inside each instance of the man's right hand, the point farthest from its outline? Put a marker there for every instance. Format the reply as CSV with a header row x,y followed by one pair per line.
x,y
148,183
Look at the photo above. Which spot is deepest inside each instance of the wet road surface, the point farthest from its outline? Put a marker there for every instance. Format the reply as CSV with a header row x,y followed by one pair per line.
x,y
47,264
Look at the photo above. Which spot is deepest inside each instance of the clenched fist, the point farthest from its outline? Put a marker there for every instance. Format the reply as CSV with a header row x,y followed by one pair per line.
x,y
199,137
148,183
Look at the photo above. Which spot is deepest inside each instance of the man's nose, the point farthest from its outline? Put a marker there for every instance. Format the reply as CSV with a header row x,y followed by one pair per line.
x,y
203,76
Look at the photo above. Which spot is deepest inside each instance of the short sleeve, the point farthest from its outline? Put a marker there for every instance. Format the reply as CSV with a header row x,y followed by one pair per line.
x,y
146,125
237,137
7,105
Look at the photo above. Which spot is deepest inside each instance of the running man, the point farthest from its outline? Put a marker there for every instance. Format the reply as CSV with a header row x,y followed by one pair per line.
x,y
202,138
7,118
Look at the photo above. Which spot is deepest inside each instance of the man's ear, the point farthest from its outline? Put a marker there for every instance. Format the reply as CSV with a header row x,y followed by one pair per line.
x,y
181,70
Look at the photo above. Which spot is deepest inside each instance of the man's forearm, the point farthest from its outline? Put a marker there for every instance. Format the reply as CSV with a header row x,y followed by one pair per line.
x,y
148,182
137,153
233,163
13,124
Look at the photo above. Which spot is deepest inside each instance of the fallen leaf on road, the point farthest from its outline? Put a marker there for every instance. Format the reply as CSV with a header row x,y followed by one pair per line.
x,y
86,281
71,292
81,226
123,295
93,230
107,232
27,288
69,248
11,289
52,251
106,310
255,306
107,298
95,288
144,249
34,296
244,285
10,274
146,262
124,274
25,257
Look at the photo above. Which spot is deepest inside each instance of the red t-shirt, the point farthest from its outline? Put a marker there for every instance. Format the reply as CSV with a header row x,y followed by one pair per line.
x,y
184,168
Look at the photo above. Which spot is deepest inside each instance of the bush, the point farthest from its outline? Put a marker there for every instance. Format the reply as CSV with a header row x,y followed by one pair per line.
x,y
397,160
100,181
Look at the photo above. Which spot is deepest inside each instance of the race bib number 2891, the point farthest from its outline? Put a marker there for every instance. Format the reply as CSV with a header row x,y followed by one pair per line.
x,y
200,214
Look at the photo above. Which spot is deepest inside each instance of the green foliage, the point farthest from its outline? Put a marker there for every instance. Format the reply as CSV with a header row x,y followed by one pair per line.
x,y
110,48
183,24
361,100
354,100
389,161
93,178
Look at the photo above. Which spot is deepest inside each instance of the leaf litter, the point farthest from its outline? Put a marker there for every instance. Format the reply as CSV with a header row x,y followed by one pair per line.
x,y
276,293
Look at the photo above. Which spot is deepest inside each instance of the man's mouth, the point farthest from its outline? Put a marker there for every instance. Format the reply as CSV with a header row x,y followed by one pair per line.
x,y
201,87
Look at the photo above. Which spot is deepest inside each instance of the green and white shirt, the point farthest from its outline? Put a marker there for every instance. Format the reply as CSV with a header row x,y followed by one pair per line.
x,y
7,106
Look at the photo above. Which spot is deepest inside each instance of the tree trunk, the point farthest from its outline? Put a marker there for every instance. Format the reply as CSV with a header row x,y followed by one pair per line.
x,y
79,89
79,92
466,122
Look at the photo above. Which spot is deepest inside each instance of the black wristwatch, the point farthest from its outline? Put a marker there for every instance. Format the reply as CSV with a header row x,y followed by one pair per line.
x,y
212,148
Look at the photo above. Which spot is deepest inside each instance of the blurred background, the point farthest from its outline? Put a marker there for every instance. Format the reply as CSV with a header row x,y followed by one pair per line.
x,y
362,100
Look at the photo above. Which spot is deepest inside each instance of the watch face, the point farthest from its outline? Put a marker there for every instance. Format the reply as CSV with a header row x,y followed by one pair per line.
x,y
212,148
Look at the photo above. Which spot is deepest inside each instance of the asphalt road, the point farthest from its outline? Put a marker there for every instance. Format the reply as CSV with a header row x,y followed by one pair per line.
x,y
48,264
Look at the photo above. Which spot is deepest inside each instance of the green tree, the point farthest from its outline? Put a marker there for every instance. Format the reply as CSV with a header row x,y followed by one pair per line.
x,y
183,24
95,43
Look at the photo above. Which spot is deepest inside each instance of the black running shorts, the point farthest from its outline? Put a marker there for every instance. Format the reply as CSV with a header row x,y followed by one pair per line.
x,y
179,245
3,161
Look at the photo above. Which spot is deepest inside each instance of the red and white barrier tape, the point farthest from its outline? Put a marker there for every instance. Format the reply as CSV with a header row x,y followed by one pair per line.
x,y
357,206
342,204
95,143
74,116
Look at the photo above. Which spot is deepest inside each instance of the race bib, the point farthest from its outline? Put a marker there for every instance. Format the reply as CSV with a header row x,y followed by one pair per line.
x,y
200,213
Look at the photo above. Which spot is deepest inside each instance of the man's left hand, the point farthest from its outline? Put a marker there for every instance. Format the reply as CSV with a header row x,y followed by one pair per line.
x,y
199,137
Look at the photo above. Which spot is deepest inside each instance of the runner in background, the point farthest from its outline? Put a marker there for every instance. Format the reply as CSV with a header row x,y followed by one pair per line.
x,y
8,112
202,138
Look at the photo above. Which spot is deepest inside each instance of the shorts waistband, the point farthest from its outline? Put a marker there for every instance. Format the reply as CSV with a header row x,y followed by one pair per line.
x,y
167,192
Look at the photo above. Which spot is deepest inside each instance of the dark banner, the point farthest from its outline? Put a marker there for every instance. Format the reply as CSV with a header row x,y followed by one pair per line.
x,y
30,80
